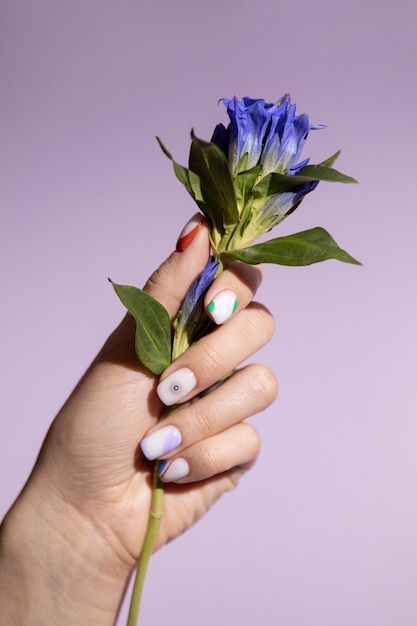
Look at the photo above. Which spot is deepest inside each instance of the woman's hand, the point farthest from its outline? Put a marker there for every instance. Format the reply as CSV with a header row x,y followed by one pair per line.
x,y
75,533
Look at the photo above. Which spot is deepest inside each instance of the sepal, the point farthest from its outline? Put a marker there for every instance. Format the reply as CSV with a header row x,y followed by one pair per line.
x,y
275,183
322,172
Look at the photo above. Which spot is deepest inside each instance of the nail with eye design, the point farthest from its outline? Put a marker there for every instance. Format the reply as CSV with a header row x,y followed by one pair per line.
x,y
176,386
223,306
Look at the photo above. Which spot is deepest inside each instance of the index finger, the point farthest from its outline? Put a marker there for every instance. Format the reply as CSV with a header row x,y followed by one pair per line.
x,y
232,291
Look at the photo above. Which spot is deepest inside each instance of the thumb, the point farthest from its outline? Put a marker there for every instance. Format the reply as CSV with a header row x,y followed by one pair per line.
x,y
170,282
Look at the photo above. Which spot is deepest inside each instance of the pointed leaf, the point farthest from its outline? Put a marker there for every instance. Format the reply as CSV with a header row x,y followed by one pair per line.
x,y
153,327
275,183
322,172
304,248
190,180
209,162
331,160
181,172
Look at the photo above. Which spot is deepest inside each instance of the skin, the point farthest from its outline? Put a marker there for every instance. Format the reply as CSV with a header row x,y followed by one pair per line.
x,y
69,543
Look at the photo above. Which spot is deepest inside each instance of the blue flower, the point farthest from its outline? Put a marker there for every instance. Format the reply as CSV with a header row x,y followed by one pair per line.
x,y
192,323
264,133
269,137
276,207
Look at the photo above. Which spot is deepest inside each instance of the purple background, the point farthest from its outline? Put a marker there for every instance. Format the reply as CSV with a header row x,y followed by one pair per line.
x,y
323,530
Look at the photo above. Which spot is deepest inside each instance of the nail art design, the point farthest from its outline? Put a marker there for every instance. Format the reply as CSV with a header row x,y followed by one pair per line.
x,y
176,386
160,442
189,232
223,306
173,469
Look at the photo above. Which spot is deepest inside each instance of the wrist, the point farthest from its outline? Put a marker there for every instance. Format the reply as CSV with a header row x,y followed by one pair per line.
x,y
56,566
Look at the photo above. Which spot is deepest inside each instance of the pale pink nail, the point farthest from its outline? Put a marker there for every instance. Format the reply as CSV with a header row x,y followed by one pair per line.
x,y
176,386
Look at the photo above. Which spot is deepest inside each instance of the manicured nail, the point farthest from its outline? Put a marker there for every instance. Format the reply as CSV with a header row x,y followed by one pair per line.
x,y
223,306
176,386
173,469
160,442
189,231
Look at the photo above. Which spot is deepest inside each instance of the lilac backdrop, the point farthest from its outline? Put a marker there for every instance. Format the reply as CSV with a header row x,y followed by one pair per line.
x,y
323,530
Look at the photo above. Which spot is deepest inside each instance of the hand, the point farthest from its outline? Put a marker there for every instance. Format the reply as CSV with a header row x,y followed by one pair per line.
x,y
87,500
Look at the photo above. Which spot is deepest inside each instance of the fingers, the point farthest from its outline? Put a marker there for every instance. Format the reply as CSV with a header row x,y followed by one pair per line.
x,y
171,281
232,291
237,447
169,284
215,355
247,392
208,437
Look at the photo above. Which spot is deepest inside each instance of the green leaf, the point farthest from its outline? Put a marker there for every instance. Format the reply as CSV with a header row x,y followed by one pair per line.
x,y
181,172
275,183
189,179
244,182
153,327
209,162
322,172
304,248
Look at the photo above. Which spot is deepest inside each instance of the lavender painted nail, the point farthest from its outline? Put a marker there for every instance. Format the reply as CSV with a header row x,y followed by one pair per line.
x,y
160,442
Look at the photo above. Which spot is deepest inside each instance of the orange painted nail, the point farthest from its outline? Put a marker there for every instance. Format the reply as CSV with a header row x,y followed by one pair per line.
x,y
189,231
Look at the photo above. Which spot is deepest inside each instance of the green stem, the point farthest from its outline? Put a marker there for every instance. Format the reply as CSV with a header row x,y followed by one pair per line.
x,y
155,517
180,344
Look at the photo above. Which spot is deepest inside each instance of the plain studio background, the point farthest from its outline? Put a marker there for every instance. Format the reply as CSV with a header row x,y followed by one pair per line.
x,y
323,530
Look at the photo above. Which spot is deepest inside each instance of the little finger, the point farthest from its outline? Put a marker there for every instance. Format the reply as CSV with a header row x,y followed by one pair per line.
x,y
236,447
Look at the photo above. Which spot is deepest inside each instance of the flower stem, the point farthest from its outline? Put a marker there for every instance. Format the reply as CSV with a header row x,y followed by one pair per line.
x,y
155,517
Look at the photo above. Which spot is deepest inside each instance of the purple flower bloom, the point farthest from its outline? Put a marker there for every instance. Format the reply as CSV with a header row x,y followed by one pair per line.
x,y
280,205
272,137
192,322
269,134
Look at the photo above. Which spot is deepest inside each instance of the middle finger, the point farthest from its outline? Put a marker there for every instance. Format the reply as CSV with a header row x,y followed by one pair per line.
x,y
247,392
216,354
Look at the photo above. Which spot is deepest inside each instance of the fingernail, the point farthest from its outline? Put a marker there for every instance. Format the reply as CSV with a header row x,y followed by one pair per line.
x,y
223,306
189,231
173,469
160,442
176,386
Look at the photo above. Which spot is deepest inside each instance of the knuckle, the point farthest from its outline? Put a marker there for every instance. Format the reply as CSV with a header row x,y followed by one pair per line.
x,y
203,421
251,441
261,322
209,458
157,279
264,383
213,357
